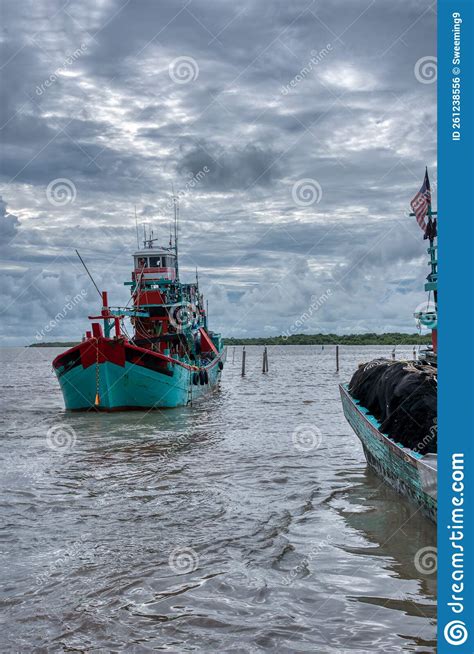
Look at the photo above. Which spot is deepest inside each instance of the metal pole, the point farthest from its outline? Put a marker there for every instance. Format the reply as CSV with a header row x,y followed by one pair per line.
x,y
337,358
87,271
243,362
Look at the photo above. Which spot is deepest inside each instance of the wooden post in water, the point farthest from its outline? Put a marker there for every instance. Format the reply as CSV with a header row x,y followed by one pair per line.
x,y
243,361
393,354
265,360
233,354
414,353
337,358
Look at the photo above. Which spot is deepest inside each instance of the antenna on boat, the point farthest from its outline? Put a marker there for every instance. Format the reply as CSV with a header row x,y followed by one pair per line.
x,y
136,227
87,271
176,221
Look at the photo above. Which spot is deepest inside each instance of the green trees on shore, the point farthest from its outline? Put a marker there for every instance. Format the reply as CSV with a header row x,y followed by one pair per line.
x,y
391,338
394,338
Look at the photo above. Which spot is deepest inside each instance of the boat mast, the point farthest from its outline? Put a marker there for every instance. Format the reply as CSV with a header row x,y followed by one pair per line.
x,y
176,221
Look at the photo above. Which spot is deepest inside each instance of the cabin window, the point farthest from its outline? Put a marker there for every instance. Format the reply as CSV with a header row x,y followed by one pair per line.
x,y
142,262
155,262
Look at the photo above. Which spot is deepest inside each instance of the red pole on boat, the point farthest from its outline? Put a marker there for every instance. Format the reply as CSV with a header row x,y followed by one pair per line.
x,y
105,304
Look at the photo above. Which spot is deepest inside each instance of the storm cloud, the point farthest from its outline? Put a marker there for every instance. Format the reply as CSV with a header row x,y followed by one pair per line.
x,y
305,128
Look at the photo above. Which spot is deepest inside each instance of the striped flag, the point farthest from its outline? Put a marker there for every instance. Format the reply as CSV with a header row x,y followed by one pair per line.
x,y
421,202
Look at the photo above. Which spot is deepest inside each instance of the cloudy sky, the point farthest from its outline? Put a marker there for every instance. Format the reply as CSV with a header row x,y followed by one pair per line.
x,y
296,134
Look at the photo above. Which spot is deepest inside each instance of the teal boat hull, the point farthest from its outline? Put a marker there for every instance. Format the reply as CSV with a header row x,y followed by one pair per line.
x,y
408,472
107,385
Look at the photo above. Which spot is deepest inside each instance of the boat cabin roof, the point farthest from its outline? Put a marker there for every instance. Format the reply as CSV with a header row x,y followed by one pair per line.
x,y
153,252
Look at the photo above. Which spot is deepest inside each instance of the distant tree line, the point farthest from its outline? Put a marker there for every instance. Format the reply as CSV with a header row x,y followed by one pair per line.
x,y
390,338
55,344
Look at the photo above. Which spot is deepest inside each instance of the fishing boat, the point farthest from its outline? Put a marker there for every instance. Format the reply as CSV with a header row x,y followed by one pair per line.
x,y
410,472
171,359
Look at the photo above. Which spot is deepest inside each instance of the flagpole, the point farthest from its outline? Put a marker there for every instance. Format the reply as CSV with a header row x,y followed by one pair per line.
x,y
433,262
429,232
432,277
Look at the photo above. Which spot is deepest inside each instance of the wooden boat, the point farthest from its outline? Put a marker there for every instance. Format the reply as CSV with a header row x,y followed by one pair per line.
x,y
408,472
170,360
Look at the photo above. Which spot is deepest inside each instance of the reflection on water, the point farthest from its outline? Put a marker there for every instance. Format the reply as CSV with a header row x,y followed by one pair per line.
x,y
249,522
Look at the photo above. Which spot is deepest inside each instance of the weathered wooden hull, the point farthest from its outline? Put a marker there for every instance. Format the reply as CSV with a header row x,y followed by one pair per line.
x,y
408,472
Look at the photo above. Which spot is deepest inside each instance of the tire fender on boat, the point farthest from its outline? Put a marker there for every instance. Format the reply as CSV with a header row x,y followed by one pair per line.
x,y
195,378
201,377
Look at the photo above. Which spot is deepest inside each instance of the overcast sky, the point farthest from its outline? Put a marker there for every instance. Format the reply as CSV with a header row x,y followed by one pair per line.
x,y
296,134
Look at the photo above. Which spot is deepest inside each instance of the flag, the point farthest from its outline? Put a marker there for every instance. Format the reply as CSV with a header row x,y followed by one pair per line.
x,y
421,202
